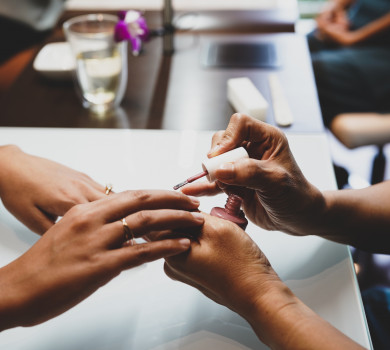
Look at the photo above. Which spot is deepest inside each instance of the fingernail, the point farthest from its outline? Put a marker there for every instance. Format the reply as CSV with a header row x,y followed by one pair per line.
x,y
221,185
198,216
214,150
185,242
194,200
226,171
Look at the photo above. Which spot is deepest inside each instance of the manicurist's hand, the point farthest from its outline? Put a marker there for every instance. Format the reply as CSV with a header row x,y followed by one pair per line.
x,y
276,194
37,191
228,267
89,247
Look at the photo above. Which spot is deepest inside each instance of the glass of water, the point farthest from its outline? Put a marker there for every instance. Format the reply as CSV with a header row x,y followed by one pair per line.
x,y
101,63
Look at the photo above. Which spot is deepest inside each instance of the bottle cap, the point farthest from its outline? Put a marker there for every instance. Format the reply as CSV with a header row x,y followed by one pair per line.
x,y
212,164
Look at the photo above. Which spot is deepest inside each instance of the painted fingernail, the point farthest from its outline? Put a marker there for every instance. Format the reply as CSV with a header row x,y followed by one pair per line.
x,y
194,200
185,242
198,216
226,171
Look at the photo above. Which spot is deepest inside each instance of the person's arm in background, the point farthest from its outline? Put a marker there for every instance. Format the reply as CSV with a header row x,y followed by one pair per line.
x,y
228,267
277,196
333,12
346,37
37,191
87,248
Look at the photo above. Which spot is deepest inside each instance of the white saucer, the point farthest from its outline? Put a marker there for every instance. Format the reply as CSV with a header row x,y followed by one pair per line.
x,y
55,60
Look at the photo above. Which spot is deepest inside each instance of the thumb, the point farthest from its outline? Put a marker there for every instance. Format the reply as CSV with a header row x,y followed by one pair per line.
x,y
250,173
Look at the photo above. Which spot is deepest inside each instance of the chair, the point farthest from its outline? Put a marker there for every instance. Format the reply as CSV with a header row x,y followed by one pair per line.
x,y
364,129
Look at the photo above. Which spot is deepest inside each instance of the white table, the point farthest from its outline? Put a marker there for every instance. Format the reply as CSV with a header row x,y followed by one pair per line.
x,y
144,309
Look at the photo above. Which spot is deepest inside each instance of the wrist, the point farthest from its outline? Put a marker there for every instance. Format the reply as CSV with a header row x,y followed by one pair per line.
x,y
6,155
282,321
272,313
309,210
317,208
13,298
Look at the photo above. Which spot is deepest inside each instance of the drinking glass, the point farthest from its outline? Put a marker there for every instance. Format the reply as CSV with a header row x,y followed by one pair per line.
x,y
101,63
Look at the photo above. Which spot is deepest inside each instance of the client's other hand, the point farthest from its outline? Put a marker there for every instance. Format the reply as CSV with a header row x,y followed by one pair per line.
x,y
37,191
226,265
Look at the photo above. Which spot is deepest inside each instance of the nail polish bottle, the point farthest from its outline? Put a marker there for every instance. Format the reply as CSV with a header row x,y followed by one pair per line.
x,y
232,211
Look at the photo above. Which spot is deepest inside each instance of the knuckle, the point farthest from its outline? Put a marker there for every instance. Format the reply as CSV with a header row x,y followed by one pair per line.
x,y
218,135
239,118
81,216
236,117
178,195
217,227
139,195
70,198
143,252
182,216
76,211
278,176
71,202
143,218
282,176
185,215
251,168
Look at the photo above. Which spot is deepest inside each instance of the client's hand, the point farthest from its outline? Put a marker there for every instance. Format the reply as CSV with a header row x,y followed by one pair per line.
x,y
226,265
37,191
276,194
86,249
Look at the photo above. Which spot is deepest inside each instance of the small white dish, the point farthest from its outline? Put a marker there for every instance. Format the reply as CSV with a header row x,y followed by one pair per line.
x,y
55,61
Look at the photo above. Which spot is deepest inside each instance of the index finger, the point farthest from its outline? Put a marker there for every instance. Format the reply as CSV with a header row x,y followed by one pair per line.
x,y
120,205
198,189
241,130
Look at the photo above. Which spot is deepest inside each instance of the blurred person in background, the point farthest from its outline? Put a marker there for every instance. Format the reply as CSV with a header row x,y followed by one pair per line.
x,y
350,50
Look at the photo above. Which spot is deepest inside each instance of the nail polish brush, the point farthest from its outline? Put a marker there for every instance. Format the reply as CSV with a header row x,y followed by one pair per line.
x,y
210,165
190,179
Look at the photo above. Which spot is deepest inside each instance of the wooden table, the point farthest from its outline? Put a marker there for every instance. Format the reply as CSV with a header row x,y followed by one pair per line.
x,y
155,82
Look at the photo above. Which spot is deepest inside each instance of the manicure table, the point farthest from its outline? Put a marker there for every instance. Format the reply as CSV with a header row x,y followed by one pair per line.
x,y
142,308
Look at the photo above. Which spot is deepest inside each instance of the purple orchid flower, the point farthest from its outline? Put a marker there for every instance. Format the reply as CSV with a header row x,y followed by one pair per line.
x,y
132,27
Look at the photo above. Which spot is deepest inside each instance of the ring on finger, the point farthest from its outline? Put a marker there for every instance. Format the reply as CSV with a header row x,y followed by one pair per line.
x,y
108,189
128,233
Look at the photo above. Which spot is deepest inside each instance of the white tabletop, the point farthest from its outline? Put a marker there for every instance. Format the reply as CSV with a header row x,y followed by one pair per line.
x,y
184,5
144,309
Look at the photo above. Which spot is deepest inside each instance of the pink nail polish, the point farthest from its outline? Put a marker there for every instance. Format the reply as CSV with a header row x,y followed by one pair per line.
x,y
232,211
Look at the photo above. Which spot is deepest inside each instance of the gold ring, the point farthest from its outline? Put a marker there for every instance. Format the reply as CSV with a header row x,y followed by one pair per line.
x,y
108,189
128,233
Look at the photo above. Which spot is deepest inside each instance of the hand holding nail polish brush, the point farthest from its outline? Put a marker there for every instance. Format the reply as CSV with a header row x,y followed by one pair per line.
x,y
232,210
